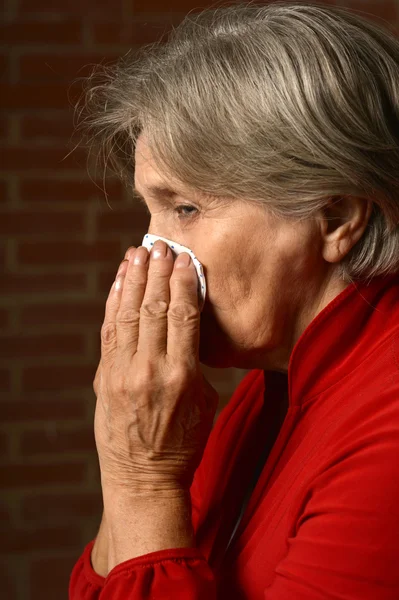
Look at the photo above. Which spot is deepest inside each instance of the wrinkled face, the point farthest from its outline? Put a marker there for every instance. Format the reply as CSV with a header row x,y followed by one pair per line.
x,y
260,271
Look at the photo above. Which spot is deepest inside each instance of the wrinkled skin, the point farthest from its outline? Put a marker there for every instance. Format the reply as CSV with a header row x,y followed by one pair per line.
x,y
154,408
267,279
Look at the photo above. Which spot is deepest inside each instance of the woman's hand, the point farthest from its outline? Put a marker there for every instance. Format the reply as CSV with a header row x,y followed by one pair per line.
x,y
155,409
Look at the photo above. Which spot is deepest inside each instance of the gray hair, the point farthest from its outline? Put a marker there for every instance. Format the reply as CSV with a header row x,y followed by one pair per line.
x,y
290,105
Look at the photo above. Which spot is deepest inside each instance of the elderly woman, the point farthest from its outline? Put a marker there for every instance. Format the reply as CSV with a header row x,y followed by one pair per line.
x,y
264,139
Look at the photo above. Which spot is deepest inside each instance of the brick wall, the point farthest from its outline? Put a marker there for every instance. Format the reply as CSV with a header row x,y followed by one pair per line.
x,y
60,246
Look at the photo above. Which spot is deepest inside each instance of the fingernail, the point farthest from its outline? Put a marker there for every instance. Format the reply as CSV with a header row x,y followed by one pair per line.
x,y
141,256
159,250
183,260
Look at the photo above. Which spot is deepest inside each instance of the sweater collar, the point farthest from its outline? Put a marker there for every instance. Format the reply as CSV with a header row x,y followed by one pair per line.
x,y
349,328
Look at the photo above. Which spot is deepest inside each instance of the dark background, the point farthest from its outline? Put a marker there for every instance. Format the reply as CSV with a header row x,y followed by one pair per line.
x,y
60,246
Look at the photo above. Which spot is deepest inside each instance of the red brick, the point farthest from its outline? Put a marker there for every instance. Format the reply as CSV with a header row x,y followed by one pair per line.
x,y
3,318
4,68
53,253
24,346
129,32
60,506
3,192
41,96
4,128
22,159
18,475
45,538
43,410
182,6
60,67
49,577
91,8
3,444
8,582
373,9
15,283
22,223
72,313
41,32
49,127
5,515
58,377
40,442
54,190
114,33
5,380
130,221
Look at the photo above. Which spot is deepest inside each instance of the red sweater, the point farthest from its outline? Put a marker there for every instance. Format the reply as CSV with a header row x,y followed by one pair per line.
x,y
323,520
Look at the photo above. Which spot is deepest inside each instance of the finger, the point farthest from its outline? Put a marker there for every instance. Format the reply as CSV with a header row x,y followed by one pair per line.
x,y
130,252
108,329
147,294
184,315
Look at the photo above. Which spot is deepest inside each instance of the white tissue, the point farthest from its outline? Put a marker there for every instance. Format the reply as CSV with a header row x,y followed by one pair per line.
x,y
148,242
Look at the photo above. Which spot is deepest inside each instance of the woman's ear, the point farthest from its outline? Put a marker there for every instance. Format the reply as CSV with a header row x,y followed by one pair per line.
x,y
343,222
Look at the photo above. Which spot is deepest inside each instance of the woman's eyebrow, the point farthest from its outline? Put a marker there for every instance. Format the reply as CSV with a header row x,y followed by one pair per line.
x,y
155,192
160,193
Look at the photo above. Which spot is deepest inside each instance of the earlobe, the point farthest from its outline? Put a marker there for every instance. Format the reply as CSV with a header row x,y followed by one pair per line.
x,y
335,248
343,224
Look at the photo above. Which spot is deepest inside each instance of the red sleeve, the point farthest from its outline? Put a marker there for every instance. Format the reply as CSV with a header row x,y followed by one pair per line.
x,y
346,542
175,573
163,574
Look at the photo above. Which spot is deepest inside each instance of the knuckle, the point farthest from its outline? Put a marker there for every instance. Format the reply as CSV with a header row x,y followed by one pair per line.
x,y
118,380
154,308
142,384
179,378
144,379
128,316
119,387
183,312
136,279
108,333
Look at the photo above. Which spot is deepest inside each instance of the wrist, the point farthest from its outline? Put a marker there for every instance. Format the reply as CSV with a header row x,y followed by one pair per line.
x,y
140,495
139,524
146,511
148,486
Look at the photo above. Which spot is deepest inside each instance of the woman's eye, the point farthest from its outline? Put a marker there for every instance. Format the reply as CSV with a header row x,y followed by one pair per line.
x,y
184,210
183,207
